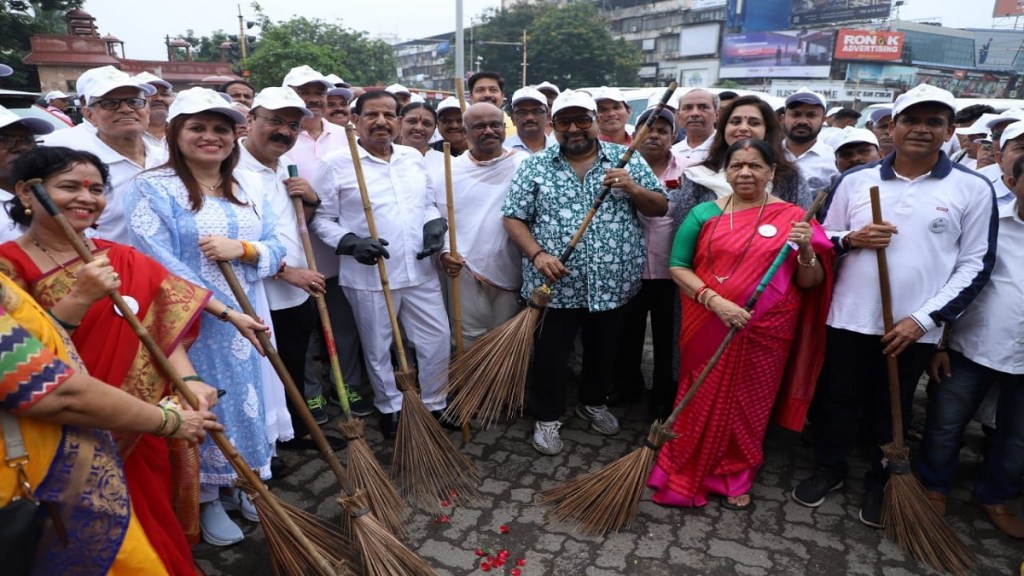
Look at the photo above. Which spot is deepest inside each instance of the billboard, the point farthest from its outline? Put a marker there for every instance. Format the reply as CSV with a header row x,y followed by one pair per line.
x,y
705,4
757,15
789,54
812,12
999,49
1005,8
872,45
698,40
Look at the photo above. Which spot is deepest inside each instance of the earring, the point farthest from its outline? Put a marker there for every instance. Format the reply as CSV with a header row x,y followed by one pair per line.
x,y
28,211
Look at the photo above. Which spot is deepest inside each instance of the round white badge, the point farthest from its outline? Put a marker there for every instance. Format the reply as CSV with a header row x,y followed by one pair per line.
x,y
939,225
767,230
131,302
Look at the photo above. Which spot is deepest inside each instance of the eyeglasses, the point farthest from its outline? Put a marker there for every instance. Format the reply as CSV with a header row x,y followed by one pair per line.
x,y
562,124
12,142
524,112
278,122
115,103
483,126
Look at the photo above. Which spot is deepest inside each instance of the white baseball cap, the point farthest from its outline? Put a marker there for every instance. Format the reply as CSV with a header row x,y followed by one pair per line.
x,y
806,96
335,79
302,75
152,79
545,85
606,93
832,111
199,99
1012,132
878,113
55,95
527,93
101,81
36,126
923,93
1011,115
416,98
5,70
851,135
448,103
573,99
980,126
278,98
397,89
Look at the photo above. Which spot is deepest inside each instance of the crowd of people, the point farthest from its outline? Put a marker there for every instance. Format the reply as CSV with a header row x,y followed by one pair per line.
x,y
169,189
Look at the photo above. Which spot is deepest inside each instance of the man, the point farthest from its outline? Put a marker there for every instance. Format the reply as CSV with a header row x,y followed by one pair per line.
x,y
802,123
486,86
855,147
238,91
612,116
550,91
845,117
968,154
116,105
487,266
939,261
696,115
159,103
1010,149
401,93
530,115
881,122
17,136
449,125
547,201
338,100
56,104
402,196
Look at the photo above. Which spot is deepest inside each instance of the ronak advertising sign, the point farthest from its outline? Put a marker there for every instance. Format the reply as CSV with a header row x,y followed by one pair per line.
x,y
871,45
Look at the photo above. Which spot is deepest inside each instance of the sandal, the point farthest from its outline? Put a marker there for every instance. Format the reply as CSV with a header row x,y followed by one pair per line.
x,y
724,500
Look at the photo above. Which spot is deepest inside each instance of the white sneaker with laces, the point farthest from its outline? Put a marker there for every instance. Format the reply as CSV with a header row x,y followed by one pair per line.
x,y
601,420
546,438
238,500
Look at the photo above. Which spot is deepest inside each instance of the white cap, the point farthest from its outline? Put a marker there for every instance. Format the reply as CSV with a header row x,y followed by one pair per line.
x,y
101,81
673,100
606,93
527,93
545,85
832,111
199,99
302,75
152,79
448,103
879,113
335,79
55,95
36,126
278,98
806,96
851,135
980,126
5,70
573,99
1011,115
416,98
923,93
397,89
1012,132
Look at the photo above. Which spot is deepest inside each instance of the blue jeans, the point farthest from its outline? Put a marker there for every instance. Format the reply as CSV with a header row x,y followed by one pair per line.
x,y
951,404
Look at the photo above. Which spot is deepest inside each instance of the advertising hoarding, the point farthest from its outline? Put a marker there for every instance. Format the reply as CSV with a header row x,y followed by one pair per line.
x,y
788,54
698,40
758,15
1005,8
813,12
874,45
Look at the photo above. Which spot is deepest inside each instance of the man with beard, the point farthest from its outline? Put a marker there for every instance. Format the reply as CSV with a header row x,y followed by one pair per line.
x,y
530,114
881,122
612,116
159,104
402,194
449,124
487,265
548,199
802,122
238,91
854,147
696,115
17,136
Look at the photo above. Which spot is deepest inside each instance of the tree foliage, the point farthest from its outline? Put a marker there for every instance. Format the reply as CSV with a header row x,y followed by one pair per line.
x,y
207,48
19,21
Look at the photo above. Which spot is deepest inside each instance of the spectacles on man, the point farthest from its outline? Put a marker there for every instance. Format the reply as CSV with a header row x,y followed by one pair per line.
x,y
11,142
562,124
115,103
278,122
483,126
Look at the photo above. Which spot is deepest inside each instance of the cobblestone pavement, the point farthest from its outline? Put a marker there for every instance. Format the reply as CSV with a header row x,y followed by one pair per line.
x,y
776,537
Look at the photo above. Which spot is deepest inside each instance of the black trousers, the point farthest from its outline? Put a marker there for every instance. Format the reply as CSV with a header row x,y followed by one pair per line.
x,y
292,327
855,383
657,299
601,333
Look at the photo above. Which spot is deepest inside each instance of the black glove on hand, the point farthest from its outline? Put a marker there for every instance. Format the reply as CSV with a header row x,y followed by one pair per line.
x,y
364,250
433,237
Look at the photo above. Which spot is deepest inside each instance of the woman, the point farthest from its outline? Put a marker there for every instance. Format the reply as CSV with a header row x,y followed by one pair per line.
x,y
418,123
72,465
190,214
745,117
720,254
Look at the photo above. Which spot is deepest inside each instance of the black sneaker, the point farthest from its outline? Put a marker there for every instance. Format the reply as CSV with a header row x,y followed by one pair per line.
x,y
871,509
358,405
444,422
811,492
318,407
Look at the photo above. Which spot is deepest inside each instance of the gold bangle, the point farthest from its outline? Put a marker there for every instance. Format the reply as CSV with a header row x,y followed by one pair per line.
x,y
809,264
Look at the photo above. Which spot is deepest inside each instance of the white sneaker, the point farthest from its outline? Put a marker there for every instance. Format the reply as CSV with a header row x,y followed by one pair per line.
x,y
601,420
546,439
239,500
217,528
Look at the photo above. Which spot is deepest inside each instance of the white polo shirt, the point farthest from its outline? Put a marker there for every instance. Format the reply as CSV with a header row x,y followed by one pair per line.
x,y
817,165
991,331
939,260
696,154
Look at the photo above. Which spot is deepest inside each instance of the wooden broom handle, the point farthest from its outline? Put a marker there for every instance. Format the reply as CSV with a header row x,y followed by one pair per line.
x,y
453,249
891,363
460,94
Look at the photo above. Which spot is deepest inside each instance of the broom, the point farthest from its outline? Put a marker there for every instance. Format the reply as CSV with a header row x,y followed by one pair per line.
x,y
489,379
460,95
908,515
608,498
426,463
300,543
363,468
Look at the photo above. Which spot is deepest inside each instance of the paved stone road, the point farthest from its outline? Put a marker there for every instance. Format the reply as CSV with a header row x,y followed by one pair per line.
x,y
777,537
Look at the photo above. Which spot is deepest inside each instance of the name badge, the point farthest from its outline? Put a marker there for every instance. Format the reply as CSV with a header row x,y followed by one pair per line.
x,y
132,303
939,225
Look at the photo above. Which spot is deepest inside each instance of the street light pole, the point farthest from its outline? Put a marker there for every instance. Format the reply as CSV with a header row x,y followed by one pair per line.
x,y
524,57
460,44
242,42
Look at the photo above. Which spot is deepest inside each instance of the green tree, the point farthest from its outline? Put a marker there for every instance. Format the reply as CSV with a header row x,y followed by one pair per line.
x,y
207,48
19,21
494,42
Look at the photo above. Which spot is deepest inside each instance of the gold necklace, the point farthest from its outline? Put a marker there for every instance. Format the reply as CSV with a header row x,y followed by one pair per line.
x,y
43,249
746,248
208,187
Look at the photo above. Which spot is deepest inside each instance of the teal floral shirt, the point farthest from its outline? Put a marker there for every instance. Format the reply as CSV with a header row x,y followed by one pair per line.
x,y
607,264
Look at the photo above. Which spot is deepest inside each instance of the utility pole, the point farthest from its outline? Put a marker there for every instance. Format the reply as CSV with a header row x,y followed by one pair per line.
x,y
520,44
460,44
242,42
524,57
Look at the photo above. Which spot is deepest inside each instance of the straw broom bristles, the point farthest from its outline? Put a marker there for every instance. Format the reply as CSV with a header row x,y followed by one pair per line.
x,y
382,553
366,474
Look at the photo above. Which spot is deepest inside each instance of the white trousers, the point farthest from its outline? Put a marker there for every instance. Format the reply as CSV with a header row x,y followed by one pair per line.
x,y
484,307
422,316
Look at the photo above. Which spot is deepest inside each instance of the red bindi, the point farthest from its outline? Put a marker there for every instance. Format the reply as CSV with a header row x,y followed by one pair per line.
x,y
85,183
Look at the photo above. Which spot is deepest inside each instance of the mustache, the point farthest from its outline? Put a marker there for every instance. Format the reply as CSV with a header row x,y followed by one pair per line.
x,y
281,139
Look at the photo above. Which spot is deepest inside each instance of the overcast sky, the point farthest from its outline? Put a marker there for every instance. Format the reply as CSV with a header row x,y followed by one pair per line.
x,y
142,25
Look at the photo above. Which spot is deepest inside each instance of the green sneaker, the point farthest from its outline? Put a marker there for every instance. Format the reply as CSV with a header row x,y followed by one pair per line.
x,y
318,406
358,405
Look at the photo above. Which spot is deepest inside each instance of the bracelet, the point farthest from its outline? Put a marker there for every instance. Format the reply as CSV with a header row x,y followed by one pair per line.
x,y
177,425
705,296
535,254
193,378
316,204
809,264
223,316
707,302
163,420
63,324
699,291
249,252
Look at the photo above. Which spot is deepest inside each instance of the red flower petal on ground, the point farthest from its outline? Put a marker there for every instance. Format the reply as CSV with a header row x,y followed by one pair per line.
x,y
485,567
503,529
521,562
445,503
516,572
480,552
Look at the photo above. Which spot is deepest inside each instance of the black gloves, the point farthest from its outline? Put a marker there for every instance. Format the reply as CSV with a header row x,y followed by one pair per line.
x,y
364,250
433,237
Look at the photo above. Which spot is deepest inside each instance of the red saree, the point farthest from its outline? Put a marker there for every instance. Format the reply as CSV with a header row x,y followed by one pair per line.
x,y
721,431
162,475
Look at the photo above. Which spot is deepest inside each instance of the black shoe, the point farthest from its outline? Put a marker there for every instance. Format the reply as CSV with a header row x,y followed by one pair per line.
x,y
336,444
278,469
871,509
317,407
389,424
444,422
811,492
358,405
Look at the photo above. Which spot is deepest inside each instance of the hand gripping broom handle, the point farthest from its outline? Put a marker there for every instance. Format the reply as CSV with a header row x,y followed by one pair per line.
x,y
638,138
371,225
162,362
891,363
819,201
321,301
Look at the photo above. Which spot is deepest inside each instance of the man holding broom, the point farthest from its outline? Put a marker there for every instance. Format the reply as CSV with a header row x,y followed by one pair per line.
x,y
547,201
939,234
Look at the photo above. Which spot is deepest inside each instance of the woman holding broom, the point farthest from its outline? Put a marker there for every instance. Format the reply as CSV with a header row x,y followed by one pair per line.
x,y
720,253
188,214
